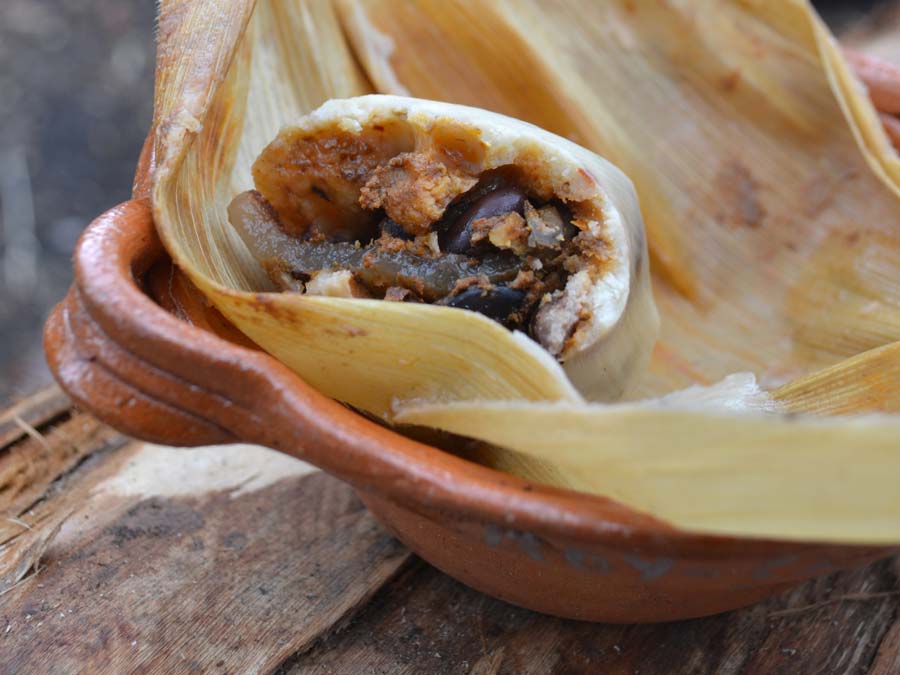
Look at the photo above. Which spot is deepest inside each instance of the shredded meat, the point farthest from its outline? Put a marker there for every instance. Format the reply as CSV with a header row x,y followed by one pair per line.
x,y
507,231
399,294
470,282
546,227
421,246
414,189
313,183
365,220
524,280
559,316
340,284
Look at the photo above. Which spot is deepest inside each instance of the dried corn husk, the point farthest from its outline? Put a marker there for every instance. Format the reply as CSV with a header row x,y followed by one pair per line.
x,y
822,479
776,246
601,356
868,382
369,353
767,182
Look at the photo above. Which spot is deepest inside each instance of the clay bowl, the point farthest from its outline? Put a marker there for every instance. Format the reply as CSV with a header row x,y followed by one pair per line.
x,y
169,369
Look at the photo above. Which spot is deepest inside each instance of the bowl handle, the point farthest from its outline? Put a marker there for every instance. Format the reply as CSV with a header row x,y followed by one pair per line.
x,y
143,370
98,371
156,377
93,371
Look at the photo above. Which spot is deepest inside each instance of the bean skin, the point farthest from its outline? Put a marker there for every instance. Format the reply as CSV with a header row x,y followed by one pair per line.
x,y
457,237
394,229
377,268
497,303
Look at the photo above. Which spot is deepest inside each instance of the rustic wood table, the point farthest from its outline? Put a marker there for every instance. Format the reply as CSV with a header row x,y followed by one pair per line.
x,y
121,556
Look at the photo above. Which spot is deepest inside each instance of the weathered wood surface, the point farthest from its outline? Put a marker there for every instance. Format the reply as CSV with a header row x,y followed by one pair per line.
x,y
424,622
119,556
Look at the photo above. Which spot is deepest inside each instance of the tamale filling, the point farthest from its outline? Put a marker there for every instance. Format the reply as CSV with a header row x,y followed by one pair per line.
x,y
350,216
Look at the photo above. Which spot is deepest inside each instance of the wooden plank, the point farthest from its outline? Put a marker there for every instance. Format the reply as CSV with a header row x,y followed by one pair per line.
x,y
143,557
34,411
32,470
887,660
237,558
120,556
426,622
31,465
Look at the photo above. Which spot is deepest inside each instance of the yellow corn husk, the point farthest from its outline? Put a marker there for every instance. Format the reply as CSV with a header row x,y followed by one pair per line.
x,y
762,213
362,352
468,52
770,194
866,383
825,479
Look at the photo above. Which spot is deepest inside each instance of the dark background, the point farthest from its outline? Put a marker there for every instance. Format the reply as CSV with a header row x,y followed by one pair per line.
x,y
76,84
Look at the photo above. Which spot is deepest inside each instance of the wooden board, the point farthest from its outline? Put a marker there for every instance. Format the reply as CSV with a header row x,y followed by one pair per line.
x,y
123,556
424,622
118,556
238,559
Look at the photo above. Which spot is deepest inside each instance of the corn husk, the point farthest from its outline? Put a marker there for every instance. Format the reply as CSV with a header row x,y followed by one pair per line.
x,y
600,357
774,242
770,193
371,353
706,470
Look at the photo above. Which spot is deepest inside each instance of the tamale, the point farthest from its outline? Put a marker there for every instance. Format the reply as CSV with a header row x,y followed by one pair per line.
x,y
768,185
421,201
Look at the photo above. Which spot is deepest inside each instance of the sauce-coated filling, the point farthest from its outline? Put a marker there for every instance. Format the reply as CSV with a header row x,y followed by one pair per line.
x,y
428,232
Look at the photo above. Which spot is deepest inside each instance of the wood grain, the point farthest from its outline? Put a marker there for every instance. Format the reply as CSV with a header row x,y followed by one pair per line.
x,y
133,557
887,660
426,622
37,409
116,556
236,559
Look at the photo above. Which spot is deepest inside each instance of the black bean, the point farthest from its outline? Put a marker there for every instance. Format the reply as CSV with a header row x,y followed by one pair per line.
x,y
569,230
497,303
377,268
457,237
394,229
488,183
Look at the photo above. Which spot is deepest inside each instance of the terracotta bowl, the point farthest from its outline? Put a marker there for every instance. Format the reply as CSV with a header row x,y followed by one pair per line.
x,y
134,345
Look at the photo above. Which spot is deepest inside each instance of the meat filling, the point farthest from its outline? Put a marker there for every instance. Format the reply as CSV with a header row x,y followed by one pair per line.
x,y
437,234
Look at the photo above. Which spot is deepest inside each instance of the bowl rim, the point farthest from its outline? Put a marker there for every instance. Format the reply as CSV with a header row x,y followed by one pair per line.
x,y
120,245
